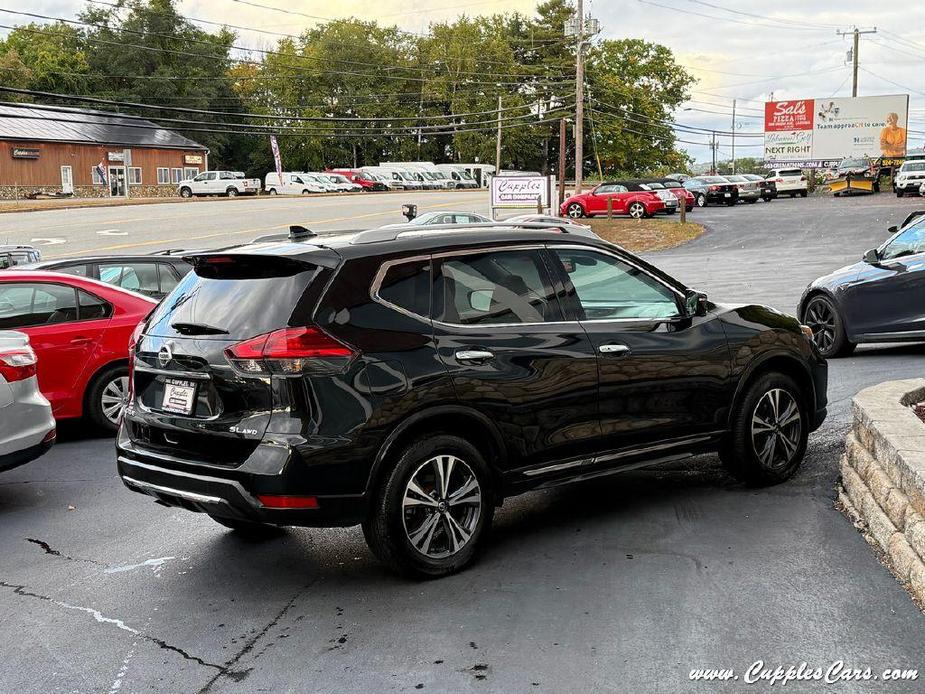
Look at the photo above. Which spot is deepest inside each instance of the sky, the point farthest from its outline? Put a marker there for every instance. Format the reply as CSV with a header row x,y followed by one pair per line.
x,y
747,51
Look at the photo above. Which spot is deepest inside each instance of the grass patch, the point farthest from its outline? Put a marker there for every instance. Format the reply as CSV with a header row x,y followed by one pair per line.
x,y
641,235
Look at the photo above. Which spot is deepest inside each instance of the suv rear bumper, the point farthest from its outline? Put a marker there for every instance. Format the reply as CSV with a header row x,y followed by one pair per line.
x,y
230,498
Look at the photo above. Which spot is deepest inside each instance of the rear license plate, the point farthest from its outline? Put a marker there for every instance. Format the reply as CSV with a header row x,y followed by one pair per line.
x,y
179,396
728,195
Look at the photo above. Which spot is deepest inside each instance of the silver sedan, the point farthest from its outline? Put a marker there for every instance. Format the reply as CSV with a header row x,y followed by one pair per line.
x,y
27,427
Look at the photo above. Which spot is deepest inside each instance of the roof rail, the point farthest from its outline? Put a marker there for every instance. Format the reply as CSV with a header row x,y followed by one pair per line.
x,y
392,233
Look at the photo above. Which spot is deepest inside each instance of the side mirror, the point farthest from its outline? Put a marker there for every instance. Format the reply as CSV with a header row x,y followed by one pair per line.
x,y
892,230
872,256
695,303
410,211
480,300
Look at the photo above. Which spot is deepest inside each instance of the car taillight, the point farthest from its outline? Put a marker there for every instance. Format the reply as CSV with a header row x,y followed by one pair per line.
x,y
778,180
276,501
18,364
290,352
713,189
133,342
802,178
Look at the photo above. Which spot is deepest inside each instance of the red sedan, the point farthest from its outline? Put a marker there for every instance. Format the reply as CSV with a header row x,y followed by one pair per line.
x,y
80,330
636,204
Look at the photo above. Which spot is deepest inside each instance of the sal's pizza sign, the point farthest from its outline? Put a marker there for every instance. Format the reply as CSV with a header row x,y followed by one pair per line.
x,y
789,115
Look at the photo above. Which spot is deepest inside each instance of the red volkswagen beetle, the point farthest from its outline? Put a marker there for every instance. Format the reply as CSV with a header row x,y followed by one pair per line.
x,y
80,330
637,204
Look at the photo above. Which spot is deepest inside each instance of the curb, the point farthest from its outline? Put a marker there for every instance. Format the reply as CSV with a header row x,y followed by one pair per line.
x,y
883,477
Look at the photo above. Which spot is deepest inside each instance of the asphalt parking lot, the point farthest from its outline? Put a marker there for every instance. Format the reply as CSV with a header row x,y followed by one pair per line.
x,y
624,585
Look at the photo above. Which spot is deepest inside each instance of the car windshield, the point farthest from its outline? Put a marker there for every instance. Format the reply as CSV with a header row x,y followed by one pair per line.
x,y
853,164
909,242
714,179
655,186
736,179
914,166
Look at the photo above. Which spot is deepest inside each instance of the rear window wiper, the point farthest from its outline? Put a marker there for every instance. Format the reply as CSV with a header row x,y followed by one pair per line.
x,y
197,329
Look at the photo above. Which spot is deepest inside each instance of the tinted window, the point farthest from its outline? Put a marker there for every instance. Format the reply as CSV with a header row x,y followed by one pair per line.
x,y
407,285
248,297
80,270
92,307
610,288
5,261
914,166
168,277
138,277
798,172
909,242
492,288
24,305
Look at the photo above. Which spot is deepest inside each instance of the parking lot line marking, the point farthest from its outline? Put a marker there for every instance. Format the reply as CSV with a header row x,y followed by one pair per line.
x,y
161,242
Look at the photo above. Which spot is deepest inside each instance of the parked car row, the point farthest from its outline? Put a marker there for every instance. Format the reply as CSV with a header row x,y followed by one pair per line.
x,y
423,176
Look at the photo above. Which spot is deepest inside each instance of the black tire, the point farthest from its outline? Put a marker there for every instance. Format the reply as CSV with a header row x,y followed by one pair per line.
x,y
249,529
387,529
752,201
828,326
99,403
767,198
186,192
731,202
306,192
272,191
637,210
899,193
804,193
231,192
701,200
575,211
760,450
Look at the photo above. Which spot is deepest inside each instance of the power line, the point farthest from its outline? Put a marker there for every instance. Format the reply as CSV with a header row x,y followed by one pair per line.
x,y
728,19
788,22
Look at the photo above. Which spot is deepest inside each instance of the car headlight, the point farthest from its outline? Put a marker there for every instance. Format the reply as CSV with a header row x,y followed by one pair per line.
x,y
806,330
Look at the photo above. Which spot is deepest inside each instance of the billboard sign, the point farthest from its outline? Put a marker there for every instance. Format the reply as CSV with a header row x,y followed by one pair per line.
x,y
521,191
815,133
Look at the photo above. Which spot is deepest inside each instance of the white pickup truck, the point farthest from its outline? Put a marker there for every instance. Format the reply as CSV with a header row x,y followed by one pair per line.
x,y
229,183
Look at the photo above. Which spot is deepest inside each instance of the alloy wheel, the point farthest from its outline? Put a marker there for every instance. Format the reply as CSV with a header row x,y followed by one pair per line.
x,y
701,200
441,506
637,211
113,398
776,428
820,317
575,211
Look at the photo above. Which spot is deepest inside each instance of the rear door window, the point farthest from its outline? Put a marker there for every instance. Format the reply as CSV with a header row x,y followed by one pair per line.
x,y
498,287
25,305
137,277
92,307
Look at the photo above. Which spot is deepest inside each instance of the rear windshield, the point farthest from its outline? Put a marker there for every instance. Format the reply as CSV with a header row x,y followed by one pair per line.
x,y
235,301
914,166
791,172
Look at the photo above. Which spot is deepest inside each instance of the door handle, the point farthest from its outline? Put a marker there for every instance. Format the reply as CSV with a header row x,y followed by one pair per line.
x,y
618,350
80,340
477,355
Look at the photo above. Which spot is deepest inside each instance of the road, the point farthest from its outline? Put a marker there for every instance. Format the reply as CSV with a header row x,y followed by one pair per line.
x,y
623,585
211,222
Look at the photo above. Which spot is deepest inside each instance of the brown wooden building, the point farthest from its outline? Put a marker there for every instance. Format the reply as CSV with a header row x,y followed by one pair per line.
x,y
53,149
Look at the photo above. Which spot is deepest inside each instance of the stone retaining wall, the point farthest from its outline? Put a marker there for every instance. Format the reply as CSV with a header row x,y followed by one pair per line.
x,y
136,191
883,477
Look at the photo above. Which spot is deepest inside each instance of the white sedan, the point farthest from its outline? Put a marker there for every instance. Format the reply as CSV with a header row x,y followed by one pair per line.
x,y
27,427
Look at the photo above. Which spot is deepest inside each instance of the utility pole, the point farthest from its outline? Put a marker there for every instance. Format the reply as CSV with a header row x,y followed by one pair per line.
x,y
498,140
713,151
562,133
733,136
582,29
856,34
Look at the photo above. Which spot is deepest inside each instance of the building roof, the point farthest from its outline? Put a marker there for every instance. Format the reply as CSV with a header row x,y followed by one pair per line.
x,y
26,122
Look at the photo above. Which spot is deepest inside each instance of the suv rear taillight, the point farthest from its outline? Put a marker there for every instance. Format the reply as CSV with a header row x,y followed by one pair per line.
x,y
290,352
713,189
18,364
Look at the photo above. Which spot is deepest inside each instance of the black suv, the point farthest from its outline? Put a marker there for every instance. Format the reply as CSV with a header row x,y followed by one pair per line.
x,y
410,379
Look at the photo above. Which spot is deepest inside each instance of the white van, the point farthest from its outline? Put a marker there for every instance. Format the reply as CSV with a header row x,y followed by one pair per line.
x,y
293,183
460,177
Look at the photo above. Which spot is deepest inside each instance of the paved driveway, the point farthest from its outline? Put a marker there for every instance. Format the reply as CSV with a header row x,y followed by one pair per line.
x,y
622,585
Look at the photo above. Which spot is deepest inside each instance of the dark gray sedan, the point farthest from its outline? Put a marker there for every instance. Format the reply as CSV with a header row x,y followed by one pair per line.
x,y
881,298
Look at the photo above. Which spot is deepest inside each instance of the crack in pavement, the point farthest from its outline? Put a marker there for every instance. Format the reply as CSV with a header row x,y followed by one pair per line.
x,y
55,553
239,675
119,624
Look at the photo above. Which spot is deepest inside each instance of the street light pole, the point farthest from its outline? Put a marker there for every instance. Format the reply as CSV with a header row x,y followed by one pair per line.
x,y
498,140
733,136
